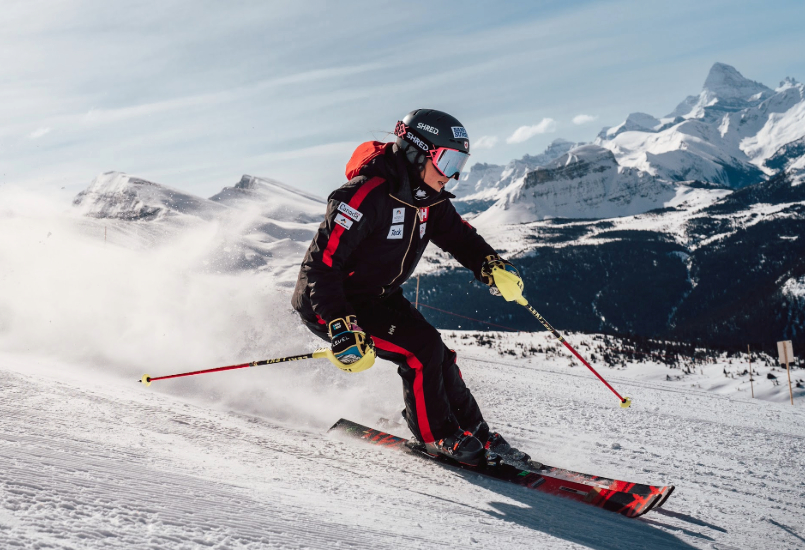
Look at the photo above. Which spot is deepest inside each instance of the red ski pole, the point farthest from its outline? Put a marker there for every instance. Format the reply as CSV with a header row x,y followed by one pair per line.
x,y
511,287
625,401
319,353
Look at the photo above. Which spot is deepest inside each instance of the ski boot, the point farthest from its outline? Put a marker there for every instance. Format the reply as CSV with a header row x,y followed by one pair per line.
x,y
498,448
462,447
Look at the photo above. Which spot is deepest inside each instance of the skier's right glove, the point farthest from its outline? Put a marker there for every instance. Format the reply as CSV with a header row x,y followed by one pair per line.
x,y
352,349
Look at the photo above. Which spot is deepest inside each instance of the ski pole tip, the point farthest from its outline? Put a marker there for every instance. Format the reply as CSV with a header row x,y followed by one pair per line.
x,y
626,403
146,379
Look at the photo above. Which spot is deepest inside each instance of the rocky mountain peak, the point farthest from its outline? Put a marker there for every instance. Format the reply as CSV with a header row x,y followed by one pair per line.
x,y
586,155
787,83
246,182
641,122
725,82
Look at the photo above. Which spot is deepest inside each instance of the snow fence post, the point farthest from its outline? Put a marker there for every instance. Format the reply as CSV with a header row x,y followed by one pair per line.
x,y
751,379
786,352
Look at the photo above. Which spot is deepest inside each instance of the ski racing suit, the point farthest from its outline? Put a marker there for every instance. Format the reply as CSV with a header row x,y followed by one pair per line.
x,y
372,237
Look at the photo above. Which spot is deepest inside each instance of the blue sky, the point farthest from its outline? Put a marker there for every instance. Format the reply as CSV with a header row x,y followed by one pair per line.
x,y
194,94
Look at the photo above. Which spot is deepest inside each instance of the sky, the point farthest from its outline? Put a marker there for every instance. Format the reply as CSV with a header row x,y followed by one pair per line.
x,y
193,94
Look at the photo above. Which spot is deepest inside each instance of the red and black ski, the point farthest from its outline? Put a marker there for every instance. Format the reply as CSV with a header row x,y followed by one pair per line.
x,y
664,491
630,499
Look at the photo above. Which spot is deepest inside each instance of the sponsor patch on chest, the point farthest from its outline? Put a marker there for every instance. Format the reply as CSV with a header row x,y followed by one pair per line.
x,y
422,230
398,215
423,214
349,211
343,221
395,232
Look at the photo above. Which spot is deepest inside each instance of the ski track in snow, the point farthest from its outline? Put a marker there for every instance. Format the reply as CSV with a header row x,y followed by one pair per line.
x,y
108,464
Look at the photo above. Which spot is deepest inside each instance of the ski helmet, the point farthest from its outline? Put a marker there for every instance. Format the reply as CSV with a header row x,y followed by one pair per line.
x,y
429,134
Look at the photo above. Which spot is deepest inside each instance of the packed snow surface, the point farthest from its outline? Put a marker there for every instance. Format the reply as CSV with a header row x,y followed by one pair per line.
x,y
93,460
89,458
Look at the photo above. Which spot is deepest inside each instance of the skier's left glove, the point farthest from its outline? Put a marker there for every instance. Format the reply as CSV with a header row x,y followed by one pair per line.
x,y
502,277
353,350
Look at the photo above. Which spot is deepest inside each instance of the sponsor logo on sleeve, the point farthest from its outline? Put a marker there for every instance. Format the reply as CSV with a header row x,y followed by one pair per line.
x,y
423,214
349,211
395,232
459,132
398,215
422,230
343,221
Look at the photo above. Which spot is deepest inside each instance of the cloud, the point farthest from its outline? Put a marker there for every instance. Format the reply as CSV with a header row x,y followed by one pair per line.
x,y
524,133
584,119
485,142
36,134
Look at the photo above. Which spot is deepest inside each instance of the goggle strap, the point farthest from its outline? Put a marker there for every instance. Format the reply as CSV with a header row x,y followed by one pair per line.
x,y
401,131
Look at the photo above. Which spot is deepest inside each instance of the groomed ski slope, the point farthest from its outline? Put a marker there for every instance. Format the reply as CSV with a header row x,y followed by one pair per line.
x,y
91,459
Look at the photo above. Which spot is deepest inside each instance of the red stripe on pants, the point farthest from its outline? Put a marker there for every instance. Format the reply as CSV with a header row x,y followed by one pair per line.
x,y
419,394
338,230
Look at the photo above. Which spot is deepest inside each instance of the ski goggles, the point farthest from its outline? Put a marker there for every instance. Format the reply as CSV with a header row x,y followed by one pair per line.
x,y
449,162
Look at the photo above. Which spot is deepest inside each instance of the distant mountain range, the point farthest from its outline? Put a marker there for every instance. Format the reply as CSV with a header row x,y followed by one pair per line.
x,y
258,223
735,133
689,226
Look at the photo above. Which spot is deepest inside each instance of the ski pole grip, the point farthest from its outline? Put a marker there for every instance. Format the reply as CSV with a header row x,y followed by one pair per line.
x,y
509,285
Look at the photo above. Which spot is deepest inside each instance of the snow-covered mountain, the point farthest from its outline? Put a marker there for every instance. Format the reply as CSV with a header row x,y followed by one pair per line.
x,y
251,222
726,87
634,122
586,182
115,195
274,199
484,181
735,133
724,135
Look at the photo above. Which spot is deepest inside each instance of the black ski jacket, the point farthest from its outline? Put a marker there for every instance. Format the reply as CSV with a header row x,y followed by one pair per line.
x,y
374,234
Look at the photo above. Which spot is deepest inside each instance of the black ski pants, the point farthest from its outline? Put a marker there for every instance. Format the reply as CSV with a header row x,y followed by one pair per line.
x,y
437,402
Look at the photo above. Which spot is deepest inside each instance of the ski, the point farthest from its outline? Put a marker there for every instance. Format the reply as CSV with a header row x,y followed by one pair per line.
x,y
612,484
629,499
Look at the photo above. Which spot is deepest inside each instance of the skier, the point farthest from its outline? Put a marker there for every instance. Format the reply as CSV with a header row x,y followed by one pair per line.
x,y
374,232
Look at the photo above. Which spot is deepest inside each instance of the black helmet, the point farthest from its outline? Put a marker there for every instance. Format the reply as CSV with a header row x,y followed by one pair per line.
x,y
427,133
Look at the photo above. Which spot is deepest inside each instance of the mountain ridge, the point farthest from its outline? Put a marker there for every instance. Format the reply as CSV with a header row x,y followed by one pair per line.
x,y
736,132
